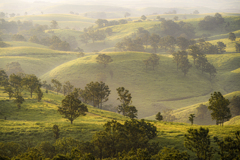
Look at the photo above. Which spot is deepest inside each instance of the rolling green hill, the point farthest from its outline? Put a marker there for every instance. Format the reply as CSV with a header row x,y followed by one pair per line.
x,y
152,90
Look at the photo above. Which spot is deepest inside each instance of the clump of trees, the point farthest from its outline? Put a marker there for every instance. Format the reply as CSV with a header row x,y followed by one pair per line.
x,y
210,23
104,23
93,35
16,83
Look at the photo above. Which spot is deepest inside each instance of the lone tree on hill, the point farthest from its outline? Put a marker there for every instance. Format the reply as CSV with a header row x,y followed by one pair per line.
x,y
191,117
198,141
127,15
143,17
104,59
159,117
232,36
54,24
72,108
219,107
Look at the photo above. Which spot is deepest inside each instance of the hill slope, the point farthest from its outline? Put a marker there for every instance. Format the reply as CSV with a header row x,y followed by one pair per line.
x,y
152,90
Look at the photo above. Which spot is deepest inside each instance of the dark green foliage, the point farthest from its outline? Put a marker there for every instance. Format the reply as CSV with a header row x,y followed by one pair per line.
x,y
56,131
171,154
72,108
219,107
131,136
47,149
159,117
104,59
18,37
198,141
9,149
131,112
232,36
229,148
191,118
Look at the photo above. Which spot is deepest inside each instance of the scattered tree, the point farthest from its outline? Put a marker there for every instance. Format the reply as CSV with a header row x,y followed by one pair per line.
x,y
191,118
131,112
54,24
143,17
232,36
57,85
72,108
125,98
221,47
56,131
104,59
159,117
219,107
127,15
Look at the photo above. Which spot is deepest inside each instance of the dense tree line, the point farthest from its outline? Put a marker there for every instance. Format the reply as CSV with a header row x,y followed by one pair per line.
x,y
93,35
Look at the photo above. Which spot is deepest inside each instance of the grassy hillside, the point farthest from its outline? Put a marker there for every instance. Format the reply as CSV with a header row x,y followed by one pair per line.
x,y
33,123
33,58
182,114
152,90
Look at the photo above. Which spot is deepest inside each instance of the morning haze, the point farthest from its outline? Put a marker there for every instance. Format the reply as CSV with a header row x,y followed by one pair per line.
x,y
128,79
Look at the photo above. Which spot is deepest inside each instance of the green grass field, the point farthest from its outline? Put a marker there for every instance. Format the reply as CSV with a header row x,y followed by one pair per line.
x,y
34,121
